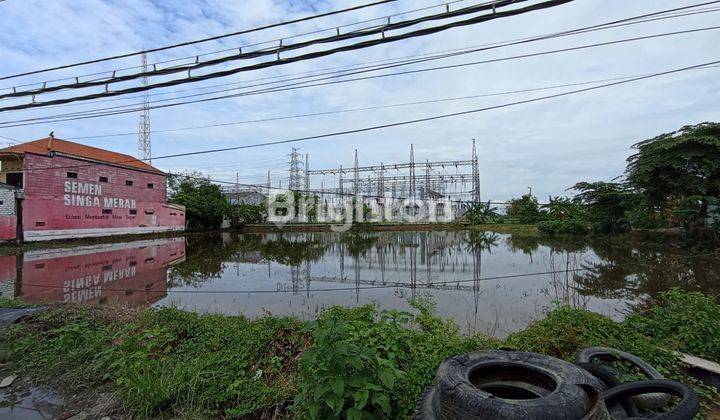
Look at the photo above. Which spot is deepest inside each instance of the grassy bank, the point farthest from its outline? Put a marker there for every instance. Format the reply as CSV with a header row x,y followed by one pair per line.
x,y
166,362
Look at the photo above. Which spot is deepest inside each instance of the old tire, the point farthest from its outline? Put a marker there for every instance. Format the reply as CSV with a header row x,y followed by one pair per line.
x,y
653,401
685,410
484,385
426,406
609,377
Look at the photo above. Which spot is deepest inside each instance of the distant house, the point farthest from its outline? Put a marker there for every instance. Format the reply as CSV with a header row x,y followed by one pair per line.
x,y
254,198
57,189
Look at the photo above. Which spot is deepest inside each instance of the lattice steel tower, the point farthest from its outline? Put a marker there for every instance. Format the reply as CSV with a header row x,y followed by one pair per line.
x,y
475,176
296,178
144,150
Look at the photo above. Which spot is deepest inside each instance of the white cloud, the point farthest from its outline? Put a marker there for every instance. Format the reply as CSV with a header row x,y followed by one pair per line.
x,y
549,145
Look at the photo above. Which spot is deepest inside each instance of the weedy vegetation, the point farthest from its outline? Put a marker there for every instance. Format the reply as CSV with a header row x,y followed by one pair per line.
x,y
353,363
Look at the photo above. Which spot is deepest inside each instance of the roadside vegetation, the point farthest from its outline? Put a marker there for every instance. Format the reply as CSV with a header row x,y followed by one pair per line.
x,y
349,363
671,182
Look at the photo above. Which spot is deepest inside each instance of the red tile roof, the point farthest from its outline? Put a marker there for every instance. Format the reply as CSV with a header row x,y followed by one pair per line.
x,y
43,146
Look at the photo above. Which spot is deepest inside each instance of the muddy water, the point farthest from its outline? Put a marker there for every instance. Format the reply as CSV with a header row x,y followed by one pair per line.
x,y
486,282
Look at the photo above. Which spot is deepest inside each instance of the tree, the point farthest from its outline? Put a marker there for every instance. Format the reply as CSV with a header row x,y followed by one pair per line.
x,y
605,203
525,208
480,213
205,204
677,166
562,208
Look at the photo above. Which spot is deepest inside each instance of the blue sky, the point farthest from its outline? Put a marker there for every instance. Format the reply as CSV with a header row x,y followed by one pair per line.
x,y
548,145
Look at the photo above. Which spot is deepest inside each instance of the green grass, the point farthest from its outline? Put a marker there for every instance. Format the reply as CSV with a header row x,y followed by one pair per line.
x,y
351,362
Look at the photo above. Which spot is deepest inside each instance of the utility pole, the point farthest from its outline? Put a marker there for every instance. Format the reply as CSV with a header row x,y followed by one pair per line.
x,y
268,184
237,188
307,172
341,181
356,176
427,179
381,181
144,149
412,172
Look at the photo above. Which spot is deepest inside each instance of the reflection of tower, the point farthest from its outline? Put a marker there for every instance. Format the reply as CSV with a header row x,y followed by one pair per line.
x,y
477,273
307,278
475,176
144,151
295,278
413,267
356,259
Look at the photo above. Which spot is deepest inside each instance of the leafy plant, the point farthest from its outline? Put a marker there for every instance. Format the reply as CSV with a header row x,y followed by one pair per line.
x,y
205,204
562,227
526,209
480,213
343,374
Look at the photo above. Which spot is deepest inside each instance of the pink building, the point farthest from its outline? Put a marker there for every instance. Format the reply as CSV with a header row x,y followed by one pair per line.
x,y
57,189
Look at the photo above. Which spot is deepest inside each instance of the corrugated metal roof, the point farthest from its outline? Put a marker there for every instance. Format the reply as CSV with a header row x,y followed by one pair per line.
x,y
51,144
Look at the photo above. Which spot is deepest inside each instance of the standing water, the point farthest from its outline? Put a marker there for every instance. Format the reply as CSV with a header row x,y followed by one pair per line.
x,y
486,282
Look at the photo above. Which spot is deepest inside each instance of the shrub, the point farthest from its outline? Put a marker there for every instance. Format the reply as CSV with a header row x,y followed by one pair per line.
x,y
562,227
526,209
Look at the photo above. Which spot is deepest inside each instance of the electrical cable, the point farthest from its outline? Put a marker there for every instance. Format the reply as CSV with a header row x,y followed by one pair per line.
x,y
267,64
407,122
213,38
302,85
350,66
467,10
240,47
370,108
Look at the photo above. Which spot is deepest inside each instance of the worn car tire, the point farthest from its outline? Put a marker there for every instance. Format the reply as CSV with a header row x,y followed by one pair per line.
x,y
426,406
685,410
653,401
609,377
467,387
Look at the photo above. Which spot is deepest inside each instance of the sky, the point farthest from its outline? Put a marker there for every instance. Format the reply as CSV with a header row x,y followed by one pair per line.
x,y
548,145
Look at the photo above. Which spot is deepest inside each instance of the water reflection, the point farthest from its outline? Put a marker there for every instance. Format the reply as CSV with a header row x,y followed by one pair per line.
x,y
486,282
133,272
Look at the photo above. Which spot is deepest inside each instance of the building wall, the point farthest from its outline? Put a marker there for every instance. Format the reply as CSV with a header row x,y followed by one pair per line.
x,y
58,205
8,218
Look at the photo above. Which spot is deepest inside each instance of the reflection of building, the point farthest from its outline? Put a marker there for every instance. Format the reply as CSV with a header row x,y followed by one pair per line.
x,y
58,189
134,272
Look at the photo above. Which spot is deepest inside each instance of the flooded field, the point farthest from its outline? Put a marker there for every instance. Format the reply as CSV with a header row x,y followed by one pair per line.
x,y
487,282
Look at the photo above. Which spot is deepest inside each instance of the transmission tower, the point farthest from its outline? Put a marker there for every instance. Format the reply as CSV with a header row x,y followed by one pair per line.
x,y
144,151
295,179
475,176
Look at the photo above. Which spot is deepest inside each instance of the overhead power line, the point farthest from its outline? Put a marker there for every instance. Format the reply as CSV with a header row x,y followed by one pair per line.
x,y
276,51
369,108
409,122
198,41
300,85
310,73
274,41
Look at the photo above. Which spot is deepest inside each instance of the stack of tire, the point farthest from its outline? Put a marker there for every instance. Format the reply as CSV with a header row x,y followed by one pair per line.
x,y
505,385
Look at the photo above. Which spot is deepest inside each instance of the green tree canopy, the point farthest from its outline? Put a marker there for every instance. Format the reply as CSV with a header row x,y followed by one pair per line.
x,y
525,208
678,165
205,204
